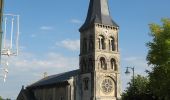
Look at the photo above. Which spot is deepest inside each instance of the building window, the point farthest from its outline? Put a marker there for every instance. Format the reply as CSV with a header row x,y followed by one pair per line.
x,y
85,65
103,63
90,64
113,64
107,85
86,83
101,42
111,44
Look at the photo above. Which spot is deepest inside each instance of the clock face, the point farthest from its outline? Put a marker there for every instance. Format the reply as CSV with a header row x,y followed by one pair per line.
x,y
107,85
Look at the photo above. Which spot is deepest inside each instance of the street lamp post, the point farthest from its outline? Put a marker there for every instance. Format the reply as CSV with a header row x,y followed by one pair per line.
x,y
133,78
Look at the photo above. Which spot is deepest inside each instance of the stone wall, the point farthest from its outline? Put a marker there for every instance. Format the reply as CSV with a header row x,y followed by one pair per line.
x,y
53,93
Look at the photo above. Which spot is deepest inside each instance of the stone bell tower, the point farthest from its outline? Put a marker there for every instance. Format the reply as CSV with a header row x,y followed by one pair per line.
x,y
99,54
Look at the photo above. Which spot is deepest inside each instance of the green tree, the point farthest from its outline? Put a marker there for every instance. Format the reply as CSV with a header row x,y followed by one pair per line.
x,y
159,59
139,91
1,98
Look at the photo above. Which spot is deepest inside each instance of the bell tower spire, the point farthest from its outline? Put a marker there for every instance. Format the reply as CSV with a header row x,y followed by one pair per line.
x,y
98,12
99,54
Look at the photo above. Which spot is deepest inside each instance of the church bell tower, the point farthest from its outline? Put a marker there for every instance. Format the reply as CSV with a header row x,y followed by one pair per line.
x,y
99,54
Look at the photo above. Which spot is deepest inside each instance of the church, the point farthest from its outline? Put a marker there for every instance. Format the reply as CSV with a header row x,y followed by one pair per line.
x,y
98,76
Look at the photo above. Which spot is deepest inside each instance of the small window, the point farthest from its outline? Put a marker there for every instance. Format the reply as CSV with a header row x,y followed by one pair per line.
x,y
101,43
113,64
103,63
86,83
90,64
111,44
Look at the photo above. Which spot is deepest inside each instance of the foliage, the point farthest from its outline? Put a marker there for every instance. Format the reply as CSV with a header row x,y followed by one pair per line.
x,y
159,48
159,58
1,98
4,99
139,91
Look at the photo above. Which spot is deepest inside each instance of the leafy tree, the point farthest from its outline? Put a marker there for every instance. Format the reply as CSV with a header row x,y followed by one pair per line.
x,y
140,90
1,98
159,59
159,48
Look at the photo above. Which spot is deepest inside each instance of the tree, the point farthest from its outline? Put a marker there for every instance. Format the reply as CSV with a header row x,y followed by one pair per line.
x,y
1,98
159,59
159,48
140,90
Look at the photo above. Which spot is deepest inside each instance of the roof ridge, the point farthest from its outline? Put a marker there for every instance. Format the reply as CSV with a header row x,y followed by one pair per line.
x,y
55,78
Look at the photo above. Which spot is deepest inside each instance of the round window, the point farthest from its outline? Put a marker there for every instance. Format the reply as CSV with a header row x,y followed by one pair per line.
x,y
107,85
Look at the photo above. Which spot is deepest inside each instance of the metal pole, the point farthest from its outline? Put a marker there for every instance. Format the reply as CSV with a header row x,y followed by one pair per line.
x,y
5,32
17,37
12,30
1,32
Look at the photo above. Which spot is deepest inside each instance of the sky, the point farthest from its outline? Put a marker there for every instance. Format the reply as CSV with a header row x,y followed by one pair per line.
x,y
49,37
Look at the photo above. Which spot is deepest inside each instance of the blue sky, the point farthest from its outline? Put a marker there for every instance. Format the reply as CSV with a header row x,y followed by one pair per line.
x,y
49,39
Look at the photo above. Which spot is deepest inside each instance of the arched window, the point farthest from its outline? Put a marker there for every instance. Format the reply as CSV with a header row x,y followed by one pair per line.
x,y
84,45
86,83
85,66
103,63
111,44
101,43
90,64
113,64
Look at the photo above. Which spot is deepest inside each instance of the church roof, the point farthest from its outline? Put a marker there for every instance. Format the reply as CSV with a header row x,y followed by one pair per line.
x,y
25,94
98,12
53,79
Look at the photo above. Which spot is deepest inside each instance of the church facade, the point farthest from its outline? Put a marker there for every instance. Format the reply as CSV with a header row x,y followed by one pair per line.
x,y
98,77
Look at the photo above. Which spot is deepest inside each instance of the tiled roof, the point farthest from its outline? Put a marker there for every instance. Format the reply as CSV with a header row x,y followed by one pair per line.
x,y
53,79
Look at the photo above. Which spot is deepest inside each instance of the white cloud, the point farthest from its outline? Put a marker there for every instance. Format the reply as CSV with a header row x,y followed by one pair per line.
x,y
46,28
51,60
27,68
73,45
75,21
